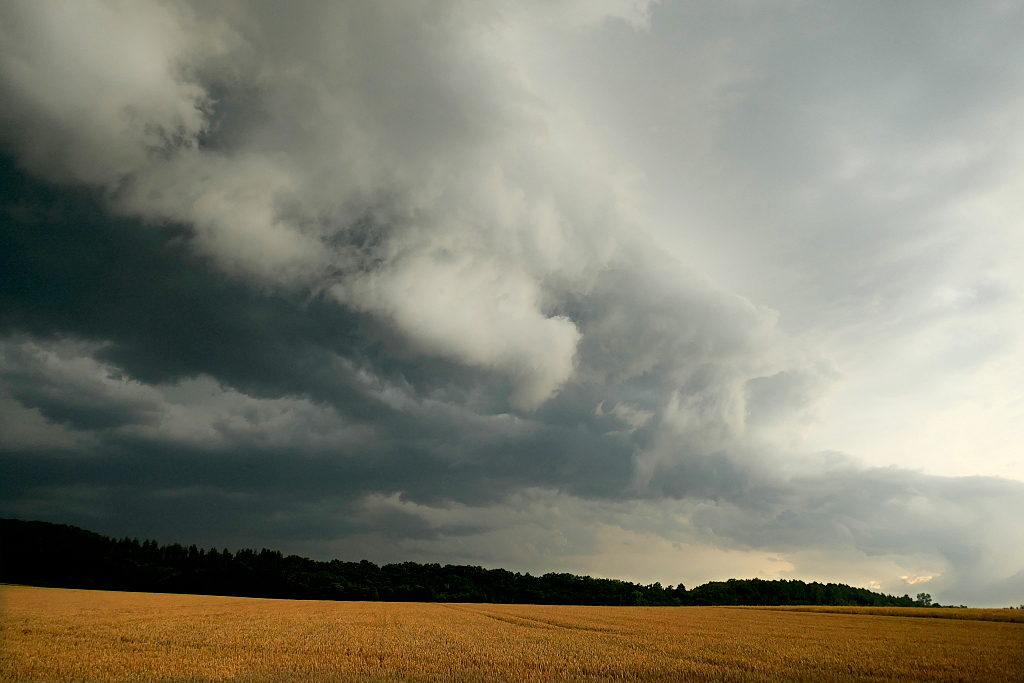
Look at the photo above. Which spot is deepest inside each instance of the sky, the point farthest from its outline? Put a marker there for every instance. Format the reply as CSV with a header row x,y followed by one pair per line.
x,y
660,291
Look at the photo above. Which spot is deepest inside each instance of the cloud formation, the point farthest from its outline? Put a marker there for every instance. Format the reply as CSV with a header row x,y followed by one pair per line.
x,y
364,279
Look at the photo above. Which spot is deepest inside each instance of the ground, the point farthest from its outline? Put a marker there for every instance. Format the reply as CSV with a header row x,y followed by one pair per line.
x,y
75,635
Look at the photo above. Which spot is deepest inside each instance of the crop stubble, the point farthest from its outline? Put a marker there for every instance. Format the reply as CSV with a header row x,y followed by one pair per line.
x,y
72,635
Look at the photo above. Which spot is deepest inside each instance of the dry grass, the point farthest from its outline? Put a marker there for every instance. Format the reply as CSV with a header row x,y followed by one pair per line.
x,y
69,635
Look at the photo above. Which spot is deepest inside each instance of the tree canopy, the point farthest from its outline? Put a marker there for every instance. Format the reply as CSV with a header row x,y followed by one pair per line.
x,y
58,555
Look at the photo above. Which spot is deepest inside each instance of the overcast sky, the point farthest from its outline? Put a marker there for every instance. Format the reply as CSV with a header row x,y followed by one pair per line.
x,y
665,292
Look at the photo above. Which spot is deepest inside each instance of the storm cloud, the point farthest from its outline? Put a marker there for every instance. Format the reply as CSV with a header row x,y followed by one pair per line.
x,y
375,280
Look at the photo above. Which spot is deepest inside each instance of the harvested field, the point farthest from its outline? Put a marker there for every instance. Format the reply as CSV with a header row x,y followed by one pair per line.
x,y
74,635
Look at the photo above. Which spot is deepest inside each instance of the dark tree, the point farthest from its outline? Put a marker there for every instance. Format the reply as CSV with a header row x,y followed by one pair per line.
x,y
57,555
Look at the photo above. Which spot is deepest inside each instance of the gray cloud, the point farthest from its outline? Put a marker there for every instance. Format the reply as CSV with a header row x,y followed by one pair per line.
x,y
361,279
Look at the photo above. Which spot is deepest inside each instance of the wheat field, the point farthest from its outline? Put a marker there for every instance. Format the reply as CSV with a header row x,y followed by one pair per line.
x,y
76,635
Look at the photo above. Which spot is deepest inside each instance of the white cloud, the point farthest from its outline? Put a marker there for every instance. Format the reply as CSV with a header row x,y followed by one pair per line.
x,y
475,312
92,88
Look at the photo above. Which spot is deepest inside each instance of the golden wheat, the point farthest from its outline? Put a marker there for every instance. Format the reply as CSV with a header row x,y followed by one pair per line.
x,y
72,635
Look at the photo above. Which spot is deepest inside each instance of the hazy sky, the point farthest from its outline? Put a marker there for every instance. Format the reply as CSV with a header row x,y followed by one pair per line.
x,y
666,292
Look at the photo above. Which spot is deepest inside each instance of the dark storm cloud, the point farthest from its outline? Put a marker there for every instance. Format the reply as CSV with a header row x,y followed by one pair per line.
x,y
160,315
76,270
338,279
69,400
157,314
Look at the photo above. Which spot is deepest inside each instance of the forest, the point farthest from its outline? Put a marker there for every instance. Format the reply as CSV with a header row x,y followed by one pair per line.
x,y
58,555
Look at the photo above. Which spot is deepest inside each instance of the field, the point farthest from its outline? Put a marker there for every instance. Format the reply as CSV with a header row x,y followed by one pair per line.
x,y
72,635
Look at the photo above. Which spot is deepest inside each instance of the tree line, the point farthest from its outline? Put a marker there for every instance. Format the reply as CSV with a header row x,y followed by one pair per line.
x,y
58,555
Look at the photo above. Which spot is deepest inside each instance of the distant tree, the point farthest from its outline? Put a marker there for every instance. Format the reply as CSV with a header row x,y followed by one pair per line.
x,y
924,600
43,554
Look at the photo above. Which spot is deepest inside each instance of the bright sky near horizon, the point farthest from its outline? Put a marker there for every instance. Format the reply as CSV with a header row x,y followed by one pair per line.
x,y
671,291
